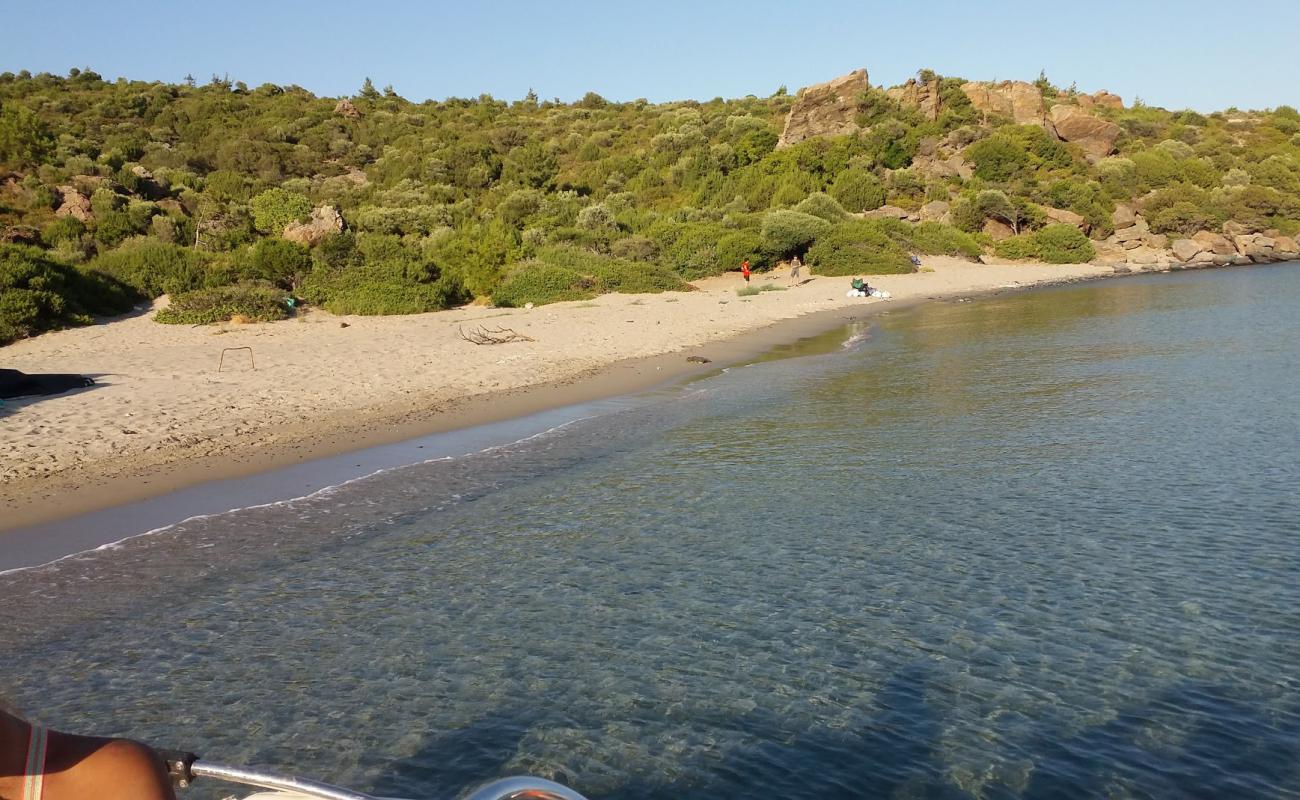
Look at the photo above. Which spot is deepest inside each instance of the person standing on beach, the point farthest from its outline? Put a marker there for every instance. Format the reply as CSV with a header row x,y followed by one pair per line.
x,y
744,269
795,266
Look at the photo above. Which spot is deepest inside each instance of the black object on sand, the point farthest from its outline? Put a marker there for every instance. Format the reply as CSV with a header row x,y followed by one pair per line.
x,y
18,384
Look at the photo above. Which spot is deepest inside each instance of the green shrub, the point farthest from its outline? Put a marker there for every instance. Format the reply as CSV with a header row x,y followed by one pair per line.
x,y
38,294
637,277
276,208
1019,248
613,274
62,229
857,248
636,248
935,238
791,233
1054,244
477,255
820,204
278,261
858,190
1184,217
154,268
256,302
997,158
738,245
1064,244
381,297
540,283
750,291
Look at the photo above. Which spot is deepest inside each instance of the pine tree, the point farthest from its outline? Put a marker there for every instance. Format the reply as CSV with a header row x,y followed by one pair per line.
x,y
368,91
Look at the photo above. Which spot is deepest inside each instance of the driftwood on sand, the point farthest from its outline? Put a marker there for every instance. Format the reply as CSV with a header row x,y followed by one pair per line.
x,y
482,335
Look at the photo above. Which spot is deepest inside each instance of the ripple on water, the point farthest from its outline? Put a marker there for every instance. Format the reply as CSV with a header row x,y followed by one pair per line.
x,y
1036,546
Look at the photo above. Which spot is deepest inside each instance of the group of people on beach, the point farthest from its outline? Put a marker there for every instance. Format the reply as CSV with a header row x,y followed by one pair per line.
x,y
796,266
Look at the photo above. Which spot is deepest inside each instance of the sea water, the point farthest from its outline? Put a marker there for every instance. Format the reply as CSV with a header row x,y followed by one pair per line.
x,y
1037,545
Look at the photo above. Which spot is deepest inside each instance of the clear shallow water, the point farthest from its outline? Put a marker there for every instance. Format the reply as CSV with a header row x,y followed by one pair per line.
x,y
1045,545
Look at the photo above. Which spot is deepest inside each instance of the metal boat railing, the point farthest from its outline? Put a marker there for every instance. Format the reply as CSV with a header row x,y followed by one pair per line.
x,y
184,768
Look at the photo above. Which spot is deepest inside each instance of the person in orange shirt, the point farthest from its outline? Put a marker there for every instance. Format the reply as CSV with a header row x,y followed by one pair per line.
x,y
744,269
37,763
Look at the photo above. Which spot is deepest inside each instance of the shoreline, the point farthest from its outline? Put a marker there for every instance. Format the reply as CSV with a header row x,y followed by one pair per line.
x,y
92,484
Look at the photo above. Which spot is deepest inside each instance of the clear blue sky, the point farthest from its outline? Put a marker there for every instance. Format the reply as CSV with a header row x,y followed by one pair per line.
x,y
1200,54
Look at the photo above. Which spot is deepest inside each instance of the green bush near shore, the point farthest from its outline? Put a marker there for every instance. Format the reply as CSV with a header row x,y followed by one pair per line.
x,y
569,273
1054,244
540,283
39,294
858,248
154,269
254,302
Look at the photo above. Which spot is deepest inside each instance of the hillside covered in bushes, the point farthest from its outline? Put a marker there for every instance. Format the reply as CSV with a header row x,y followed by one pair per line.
x,y
232,199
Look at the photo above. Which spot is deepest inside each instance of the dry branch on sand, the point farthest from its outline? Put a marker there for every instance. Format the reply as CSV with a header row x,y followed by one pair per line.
x,y
484,335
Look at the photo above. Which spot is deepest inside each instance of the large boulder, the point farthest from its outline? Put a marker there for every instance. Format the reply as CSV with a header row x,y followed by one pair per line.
x,y
1255,246
826,109
997,231
1095,135
922,95
1136,232
74,204
1285,248
936,211
1144,256
889,212
1215,243
1065,217
1187,249
1020,101
1123,217
324,221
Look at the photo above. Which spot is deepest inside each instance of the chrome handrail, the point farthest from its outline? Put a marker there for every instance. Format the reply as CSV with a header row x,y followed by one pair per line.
x,y
248,777
514,788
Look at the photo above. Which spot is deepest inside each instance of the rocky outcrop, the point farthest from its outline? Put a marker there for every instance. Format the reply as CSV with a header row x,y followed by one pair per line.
x,y
936,167
1102,99
826,109
922,95
324,221
74,204
1095,135
936,211
1124,216
890,212
997,231
1065,217
1020,101
345,108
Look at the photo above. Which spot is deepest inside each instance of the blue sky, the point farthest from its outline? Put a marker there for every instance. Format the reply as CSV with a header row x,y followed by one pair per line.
x,y
1189,54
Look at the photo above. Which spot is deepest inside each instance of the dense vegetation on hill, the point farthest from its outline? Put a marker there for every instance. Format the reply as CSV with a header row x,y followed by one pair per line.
x,y
163,188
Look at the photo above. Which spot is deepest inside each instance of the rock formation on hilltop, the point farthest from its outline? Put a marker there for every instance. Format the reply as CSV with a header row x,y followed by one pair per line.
x,y
1022,102
826,109
1096,136
1102,99
923,95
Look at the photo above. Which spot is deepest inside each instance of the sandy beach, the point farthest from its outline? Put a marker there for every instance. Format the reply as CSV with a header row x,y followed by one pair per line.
x,y
163,415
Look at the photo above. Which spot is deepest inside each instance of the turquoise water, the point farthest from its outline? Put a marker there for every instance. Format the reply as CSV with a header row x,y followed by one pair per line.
x,y
1043,545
